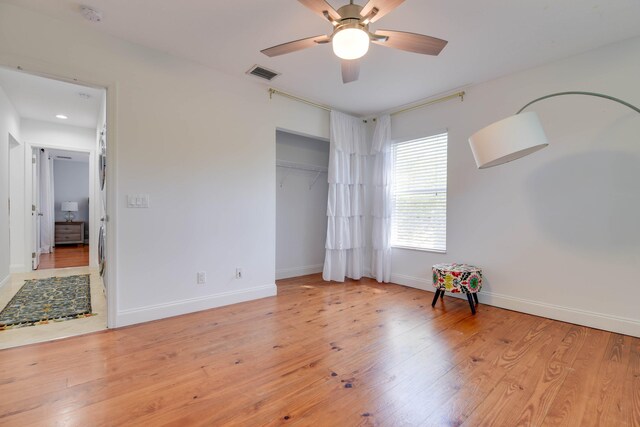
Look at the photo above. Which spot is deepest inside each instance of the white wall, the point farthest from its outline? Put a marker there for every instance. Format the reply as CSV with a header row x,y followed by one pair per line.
x,y
16,195
9,125
557,232
200,143
37,133
71,184
47,134
301,212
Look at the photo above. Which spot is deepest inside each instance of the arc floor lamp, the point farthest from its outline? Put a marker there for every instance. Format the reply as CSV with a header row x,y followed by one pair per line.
x,y
519,135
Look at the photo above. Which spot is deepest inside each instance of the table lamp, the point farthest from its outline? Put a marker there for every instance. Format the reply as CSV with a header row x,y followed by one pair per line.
x,y
69,208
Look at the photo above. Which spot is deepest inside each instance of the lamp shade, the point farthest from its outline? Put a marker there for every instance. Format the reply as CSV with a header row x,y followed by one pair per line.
x,y
69,207
507,140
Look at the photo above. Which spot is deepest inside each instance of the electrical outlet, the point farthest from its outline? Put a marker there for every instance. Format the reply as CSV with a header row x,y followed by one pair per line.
x,y
238,273
202,277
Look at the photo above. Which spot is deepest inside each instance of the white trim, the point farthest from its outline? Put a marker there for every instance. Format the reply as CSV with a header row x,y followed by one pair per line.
x,y
591,319
285,273
5,281
302,134
411,248
66,74
17,268
94,225
190,305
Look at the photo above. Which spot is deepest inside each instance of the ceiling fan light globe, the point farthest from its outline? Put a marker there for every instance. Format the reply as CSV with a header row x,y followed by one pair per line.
x,y
350,43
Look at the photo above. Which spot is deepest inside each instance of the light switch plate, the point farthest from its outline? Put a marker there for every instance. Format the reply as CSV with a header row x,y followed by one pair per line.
x,y
138,201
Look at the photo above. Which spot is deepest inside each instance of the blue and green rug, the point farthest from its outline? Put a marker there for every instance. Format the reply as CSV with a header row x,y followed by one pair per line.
x,y
53,299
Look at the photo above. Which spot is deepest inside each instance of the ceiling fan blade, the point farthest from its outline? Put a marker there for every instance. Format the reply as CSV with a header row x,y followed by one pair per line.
x,y
289,47
411,42
320,6
350,70
383,6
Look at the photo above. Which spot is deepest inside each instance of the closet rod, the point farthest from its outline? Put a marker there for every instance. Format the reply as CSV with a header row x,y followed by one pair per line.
x,y
301,166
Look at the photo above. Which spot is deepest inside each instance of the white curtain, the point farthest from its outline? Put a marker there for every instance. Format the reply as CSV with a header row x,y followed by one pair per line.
x,y
47,221
381,206
346,245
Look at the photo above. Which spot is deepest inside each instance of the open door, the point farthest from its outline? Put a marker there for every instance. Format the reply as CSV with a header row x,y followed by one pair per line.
x,y
35,209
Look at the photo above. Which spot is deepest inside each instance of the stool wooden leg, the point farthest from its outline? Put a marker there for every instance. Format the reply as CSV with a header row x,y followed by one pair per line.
x,y
442,295
471,304
475,297
435,298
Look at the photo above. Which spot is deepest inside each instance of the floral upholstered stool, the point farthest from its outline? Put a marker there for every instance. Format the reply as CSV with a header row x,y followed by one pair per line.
x,y
457,278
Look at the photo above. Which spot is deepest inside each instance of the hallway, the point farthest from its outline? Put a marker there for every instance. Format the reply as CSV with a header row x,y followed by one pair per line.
x,y
65,256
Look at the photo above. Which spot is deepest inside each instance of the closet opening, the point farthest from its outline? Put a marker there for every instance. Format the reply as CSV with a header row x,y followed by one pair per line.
x,y
301,203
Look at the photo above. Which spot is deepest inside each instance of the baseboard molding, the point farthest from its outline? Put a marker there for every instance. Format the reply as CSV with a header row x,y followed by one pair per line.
x,y
176,308
17,268
5,280
606,322
285,273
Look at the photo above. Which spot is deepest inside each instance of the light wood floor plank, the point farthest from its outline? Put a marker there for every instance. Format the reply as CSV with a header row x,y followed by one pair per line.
x,y
358,353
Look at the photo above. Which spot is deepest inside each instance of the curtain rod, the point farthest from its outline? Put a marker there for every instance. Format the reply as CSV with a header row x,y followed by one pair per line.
x,y
297,98
460,95
432,101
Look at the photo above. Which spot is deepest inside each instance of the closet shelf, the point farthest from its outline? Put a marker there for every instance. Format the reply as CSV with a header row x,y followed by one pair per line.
x,y
300,166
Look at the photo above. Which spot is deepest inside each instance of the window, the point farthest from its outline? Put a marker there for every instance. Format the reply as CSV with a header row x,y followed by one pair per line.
x,y
419,218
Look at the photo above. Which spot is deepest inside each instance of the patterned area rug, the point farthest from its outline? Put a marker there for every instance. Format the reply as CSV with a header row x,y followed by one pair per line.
x,y
41,301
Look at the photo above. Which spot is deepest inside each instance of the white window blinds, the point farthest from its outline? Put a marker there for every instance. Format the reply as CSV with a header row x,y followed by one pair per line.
x,y
419,218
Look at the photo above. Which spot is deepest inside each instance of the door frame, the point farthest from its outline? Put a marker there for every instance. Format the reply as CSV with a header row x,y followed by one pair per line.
x,y
14,237
66,74
33,214
94,207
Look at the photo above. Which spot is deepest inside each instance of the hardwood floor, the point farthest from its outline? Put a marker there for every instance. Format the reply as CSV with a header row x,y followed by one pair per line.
x,y
320,354
65,256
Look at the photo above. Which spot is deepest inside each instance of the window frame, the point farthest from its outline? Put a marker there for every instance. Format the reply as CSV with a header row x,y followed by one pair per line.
x,y
395,143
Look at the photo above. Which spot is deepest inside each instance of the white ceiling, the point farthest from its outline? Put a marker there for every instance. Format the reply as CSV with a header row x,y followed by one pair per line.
x,y
487,39
40,98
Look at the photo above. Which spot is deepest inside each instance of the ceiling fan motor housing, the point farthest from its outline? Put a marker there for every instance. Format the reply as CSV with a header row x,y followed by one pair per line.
x,y
350,11
350,23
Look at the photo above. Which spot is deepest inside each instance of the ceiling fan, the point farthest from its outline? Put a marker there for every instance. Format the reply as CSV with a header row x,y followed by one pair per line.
x,y
351,35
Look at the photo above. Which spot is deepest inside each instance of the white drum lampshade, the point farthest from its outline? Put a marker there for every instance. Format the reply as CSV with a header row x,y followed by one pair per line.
x,y
507,140
69,207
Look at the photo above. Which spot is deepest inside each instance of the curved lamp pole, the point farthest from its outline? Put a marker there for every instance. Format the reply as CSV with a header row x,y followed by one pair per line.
x,y
518,135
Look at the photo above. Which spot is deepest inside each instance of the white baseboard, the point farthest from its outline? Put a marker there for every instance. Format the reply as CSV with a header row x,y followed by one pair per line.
x,y
592,319
176,308
17,268
285,273
5,280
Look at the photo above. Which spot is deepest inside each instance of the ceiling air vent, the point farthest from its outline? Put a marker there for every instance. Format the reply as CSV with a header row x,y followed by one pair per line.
x,y
263,73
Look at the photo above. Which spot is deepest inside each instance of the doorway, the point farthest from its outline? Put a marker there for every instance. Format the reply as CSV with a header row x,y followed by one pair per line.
x,y
301,204
57,202
62,219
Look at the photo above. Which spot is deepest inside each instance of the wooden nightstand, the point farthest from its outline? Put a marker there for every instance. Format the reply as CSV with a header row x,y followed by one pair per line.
x,y
69,232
